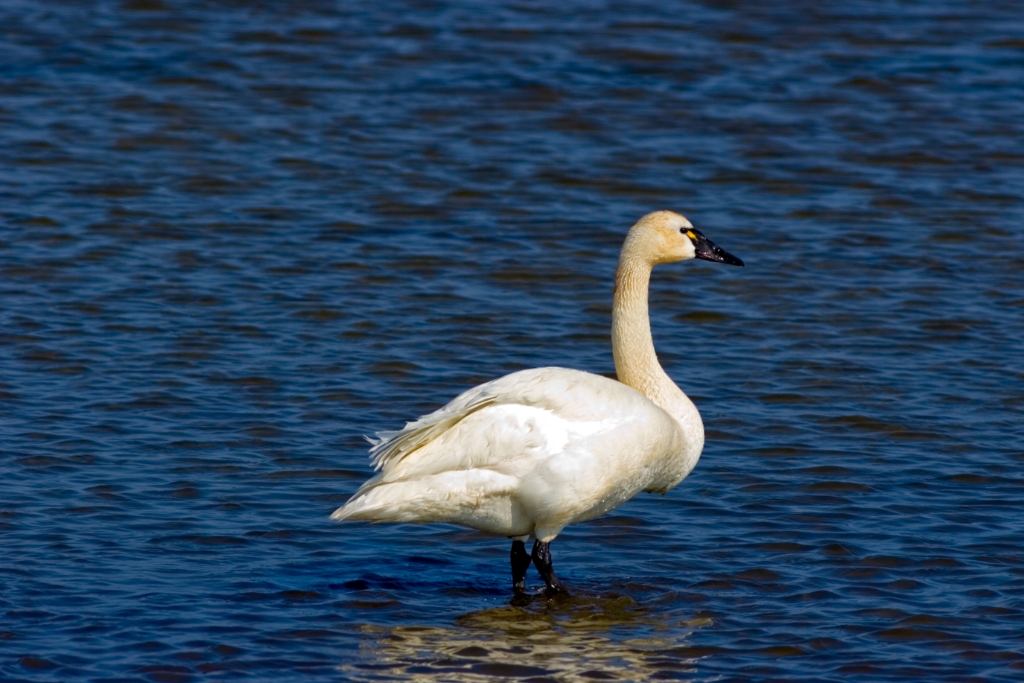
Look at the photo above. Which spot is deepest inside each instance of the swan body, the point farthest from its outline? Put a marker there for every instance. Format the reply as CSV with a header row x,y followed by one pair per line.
x,y
527,454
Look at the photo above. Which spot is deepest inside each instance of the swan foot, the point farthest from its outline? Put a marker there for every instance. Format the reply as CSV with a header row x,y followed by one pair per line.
x,y
520,563
542,559
520,600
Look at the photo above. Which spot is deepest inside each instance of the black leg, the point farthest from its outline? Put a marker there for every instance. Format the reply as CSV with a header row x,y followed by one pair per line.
x,y
542,559
520,563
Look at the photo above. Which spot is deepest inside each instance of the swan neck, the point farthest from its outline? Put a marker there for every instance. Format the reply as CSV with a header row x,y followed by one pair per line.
x,y
636,363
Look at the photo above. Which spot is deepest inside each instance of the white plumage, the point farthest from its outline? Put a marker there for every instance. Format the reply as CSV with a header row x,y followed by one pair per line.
x,y
529,453
524,455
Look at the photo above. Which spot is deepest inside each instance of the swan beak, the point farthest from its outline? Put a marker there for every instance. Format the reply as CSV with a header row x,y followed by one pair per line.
x,y
709,251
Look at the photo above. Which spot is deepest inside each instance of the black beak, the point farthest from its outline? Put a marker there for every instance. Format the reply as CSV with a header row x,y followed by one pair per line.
x,y
709,251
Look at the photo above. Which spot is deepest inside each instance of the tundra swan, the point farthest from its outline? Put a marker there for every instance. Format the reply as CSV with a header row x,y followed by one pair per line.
x,y
527,454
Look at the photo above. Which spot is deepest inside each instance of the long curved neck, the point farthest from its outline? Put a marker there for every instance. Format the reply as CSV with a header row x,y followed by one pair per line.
x,y
635,360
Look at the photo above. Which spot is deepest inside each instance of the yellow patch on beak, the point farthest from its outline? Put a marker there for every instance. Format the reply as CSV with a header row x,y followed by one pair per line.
x,y
689,233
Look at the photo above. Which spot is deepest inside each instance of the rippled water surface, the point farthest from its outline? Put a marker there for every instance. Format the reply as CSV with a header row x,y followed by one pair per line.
x,y
237,236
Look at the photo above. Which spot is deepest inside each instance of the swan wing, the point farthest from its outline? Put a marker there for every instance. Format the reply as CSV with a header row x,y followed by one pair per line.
x,y
572,397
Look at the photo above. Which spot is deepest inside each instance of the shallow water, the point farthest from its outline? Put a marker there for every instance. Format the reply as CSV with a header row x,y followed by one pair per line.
x,y
237,238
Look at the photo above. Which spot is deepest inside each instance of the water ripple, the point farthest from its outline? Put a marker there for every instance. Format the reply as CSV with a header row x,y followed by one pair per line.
x,y
237,237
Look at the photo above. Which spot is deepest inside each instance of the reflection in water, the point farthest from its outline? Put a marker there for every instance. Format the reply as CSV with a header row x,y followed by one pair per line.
x,y
566,639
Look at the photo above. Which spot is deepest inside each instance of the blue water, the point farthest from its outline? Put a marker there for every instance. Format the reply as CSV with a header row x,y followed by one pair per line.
x,y
236,237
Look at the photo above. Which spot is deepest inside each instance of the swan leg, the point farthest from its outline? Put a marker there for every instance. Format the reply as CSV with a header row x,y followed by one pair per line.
x,y
542,558
520,563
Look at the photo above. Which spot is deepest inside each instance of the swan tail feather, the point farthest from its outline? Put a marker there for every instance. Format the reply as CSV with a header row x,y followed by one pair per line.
x,y
389,448
445,497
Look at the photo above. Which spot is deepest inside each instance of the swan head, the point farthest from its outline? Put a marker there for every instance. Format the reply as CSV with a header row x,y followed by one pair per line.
x,y
667,237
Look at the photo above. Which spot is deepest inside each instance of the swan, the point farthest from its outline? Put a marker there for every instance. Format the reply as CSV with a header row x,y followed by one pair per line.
x,y
529,453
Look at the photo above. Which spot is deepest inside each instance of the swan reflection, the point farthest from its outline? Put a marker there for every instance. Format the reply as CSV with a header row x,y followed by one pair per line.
x,y
568,639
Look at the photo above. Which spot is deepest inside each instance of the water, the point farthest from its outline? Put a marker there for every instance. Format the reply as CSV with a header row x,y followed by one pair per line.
x,y
238,236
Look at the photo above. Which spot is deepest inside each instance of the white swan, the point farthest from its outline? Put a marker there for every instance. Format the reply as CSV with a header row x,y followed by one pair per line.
x,y
527,454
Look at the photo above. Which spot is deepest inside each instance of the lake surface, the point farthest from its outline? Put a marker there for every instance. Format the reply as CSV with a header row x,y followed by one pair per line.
x,y
238,236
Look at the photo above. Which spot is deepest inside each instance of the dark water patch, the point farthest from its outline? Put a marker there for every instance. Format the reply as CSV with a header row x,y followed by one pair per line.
x,y
37,664
200,540
702,317
784,547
